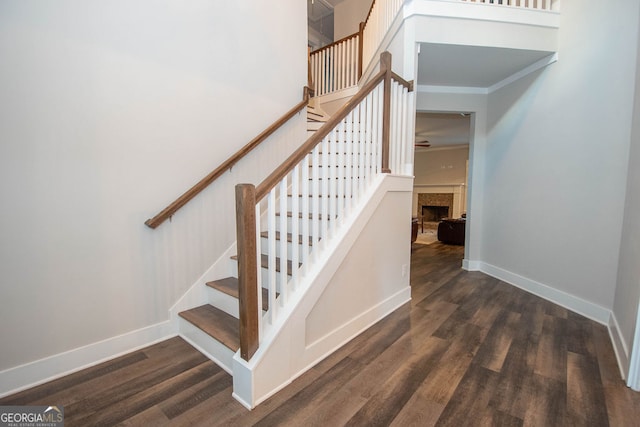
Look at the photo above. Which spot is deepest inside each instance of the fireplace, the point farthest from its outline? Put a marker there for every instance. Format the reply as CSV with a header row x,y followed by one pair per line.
x,y
434,213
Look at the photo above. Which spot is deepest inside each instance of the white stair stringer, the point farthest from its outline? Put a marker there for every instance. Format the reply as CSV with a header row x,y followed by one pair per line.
x,y
344,292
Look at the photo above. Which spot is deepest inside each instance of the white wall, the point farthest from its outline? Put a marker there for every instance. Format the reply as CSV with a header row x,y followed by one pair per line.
x,y
347,16
556,157
627,294
108,111
441,166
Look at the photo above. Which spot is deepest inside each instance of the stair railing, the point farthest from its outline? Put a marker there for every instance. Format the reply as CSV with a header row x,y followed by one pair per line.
x,y
528,4
314,191
170,210
340,65
376,26
336,66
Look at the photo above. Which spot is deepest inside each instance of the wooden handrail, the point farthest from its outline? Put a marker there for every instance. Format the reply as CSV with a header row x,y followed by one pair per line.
x,y
403,82
369,14
335,43
265,186
168,212
287,166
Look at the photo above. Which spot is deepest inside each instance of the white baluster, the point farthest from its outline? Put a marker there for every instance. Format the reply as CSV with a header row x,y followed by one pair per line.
x,y
348,150
396,129
315,192
295,235
324,212
362,143
271,255
283,241
259,275
305,213
340,146
331,196
403,131
370,138
374,139
355,152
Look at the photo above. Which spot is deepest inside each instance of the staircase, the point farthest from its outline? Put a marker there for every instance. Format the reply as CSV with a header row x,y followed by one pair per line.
x,y
213,327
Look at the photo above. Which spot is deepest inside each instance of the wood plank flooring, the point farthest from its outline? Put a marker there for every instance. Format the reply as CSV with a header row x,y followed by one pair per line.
x,y
468,350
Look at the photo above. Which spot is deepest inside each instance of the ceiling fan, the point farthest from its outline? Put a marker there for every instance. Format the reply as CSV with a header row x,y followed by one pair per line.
x,y
422,144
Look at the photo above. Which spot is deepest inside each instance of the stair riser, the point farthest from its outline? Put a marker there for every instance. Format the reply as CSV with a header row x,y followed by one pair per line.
x,y
264,248
342,180
223,301
210,347
264,274
290,222
322,199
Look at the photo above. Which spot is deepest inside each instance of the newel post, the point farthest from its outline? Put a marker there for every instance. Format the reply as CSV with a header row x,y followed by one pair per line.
x,y
247,268
385,64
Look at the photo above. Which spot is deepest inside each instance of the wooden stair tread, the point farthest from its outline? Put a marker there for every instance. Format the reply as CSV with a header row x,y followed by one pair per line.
x,y
215,323
229,286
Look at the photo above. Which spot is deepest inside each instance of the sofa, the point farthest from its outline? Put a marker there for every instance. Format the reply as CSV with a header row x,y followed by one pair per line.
x,y
451,231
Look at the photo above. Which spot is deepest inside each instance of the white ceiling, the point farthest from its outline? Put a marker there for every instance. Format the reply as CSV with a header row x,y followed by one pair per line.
x,y
471,66
464,67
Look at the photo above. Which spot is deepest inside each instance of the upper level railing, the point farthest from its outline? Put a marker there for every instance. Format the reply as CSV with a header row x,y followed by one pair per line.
x,y
528,4
313,193
168,212
336,66
341,64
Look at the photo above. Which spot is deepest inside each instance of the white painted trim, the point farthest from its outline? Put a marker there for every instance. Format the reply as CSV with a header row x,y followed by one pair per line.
x,y
442,148
619,346
588,309
544,62
633,379
465,90
470,265
437,186
31,374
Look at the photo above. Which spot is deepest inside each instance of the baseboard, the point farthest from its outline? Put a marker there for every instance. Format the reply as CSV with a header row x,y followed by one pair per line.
x,y
585,308
633,377
470,265
619,346
31,374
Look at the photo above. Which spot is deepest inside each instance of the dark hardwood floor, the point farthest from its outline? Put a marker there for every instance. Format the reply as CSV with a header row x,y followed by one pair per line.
x,y
468,350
